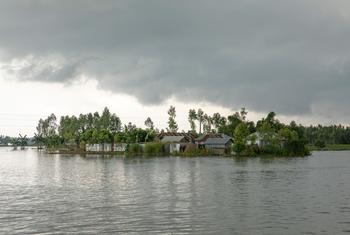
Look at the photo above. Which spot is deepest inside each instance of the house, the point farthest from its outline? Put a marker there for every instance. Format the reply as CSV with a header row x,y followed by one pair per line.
x,y
120,147
188,136
218,146
256,138
98,147
203,137
175,142
260,139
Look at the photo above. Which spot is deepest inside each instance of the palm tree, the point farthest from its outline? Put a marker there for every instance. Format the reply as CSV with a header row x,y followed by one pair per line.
x,y
23,141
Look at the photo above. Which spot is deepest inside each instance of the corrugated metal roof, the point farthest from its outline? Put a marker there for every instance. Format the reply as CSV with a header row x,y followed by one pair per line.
x,y
172,139
203,137
189,136
217,141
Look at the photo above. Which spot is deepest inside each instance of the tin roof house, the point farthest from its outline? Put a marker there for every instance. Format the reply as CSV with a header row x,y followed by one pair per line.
x,y
219,145
175,142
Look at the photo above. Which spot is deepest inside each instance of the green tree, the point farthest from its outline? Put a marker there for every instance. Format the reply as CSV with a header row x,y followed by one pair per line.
x,y
96,121
114,126
241,134
47,128
149,124
105,119
230,125
218,121
23,141
200,118
192,117
69,129
243,114
207,123
171,122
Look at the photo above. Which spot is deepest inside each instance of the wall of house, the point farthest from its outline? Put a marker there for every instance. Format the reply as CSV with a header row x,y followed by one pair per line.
x,y
218,149
120,147
174,147
107,147
99,147
93,147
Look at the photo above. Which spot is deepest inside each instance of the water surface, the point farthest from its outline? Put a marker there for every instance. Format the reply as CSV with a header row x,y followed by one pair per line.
x,y
51,194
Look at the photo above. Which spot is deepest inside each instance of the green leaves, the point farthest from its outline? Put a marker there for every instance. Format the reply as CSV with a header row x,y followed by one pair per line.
x,y
173,127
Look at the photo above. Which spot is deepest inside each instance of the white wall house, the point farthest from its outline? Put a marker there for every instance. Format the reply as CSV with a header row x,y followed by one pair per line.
x,y
105,147
120,147
98,147
174,143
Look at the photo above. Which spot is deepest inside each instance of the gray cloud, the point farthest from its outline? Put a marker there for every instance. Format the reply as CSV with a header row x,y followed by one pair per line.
x,y
287,56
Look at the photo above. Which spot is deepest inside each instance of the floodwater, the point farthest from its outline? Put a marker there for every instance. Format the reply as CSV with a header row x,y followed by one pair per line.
x,y
55,194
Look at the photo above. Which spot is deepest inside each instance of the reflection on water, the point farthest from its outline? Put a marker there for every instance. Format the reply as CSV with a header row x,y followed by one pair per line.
x,y
42,193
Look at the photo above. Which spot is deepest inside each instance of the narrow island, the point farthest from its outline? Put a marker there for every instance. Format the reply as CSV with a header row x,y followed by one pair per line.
x,y
214,135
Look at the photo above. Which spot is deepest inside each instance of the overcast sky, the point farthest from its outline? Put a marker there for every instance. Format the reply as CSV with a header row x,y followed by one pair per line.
x,y
138,57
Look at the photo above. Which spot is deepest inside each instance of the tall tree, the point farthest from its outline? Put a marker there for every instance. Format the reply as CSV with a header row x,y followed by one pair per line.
x,y
173,127
243,114
47,127
96,121
200,118
89,121
216,120
241,133
207,123
114,126
23,141
192,117
52,125
149,124
105,119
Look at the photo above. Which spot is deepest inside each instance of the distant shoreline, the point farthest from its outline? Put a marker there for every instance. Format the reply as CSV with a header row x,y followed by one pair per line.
x,y
331,147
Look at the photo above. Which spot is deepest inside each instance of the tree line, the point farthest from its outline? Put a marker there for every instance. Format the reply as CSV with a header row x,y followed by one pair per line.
x,y
90,128
106,127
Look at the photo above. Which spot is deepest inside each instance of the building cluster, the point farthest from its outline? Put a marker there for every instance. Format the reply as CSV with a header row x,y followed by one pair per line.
x,y
218,144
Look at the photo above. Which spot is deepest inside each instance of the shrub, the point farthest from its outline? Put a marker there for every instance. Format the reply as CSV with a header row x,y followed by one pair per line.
x,y
154,149
82,145
320,144
134,149
238,148
191,150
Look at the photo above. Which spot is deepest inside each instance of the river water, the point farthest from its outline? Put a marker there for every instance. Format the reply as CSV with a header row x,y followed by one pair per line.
x,y
55,194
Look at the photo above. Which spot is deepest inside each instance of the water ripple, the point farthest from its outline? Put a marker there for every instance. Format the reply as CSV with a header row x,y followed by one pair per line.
x,y
51,194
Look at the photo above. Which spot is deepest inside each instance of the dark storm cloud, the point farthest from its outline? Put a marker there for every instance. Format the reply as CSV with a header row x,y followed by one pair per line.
x,y
287,56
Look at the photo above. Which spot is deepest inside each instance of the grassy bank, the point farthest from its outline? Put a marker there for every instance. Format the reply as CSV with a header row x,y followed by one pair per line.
x,y
330,147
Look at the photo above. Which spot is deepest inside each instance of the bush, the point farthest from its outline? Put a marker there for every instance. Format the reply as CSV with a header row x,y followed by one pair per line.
x,y
154,149
320,144
82,145
191,150
134,149
238,148
272,149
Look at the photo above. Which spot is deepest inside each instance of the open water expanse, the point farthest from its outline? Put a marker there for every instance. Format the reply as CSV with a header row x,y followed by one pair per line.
x,y
55,194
